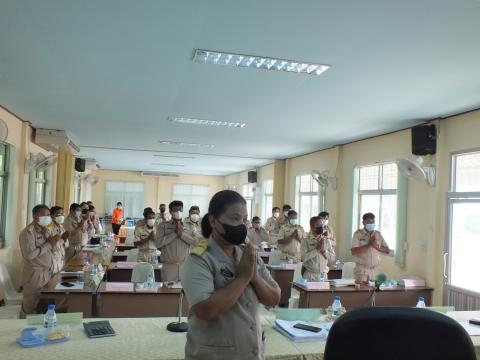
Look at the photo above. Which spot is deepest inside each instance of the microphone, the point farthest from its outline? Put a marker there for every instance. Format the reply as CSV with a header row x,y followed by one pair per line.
x,y
179,326
379,280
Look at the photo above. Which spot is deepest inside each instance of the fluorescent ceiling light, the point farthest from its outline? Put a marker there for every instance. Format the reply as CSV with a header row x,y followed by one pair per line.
x,y
191,121
174,156
258,62
159,164
180,143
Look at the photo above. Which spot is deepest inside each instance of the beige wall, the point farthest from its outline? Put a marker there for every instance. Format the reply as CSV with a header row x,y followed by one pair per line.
x,y
157,189
19,136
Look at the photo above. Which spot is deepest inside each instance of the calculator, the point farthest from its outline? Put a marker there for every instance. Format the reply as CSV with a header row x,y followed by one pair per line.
x,y
98,329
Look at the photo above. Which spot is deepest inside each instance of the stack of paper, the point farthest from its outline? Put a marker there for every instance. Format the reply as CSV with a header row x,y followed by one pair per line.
x,y
298,335
412,281
126,264
119,286
342,282
318,285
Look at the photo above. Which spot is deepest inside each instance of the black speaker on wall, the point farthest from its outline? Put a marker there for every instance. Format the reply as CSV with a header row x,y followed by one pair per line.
x,y
252,177
79,165
424,140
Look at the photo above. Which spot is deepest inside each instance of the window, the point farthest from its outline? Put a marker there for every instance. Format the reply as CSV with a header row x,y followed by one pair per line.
x,y
40,184
306,199
464,222
267,202
130,194
248,194
192,195
377,193
3,190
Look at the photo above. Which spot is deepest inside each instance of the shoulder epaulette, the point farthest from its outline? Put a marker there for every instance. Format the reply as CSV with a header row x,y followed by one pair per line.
x,y
30,227
200,248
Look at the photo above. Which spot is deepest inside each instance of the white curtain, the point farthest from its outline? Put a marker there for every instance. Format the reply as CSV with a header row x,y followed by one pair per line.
x,y
192,195
130,194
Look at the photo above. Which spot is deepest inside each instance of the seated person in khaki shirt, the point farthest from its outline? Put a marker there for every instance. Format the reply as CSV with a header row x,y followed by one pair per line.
x,y
257,234
290,237
317,251
367,245
145,238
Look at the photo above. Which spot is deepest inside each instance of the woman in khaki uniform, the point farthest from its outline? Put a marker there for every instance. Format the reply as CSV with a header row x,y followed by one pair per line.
x,y
145,238
317,251
225,283
257,234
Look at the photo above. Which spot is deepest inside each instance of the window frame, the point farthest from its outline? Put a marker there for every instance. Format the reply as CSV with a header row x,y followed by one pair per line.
x,y
3,196
43,181
380,192
314,196
186,208
266,211
249,197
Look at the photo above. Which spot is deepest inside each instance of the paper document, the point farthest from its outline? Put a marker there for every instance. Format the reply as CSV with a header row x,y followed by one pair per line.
x,y
342,282
298,335
76,286
119,286
472,330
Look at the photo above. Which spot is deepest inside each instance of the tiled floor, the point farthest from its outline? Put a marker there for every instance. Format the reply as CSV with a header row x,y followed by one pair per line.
x,y
9,311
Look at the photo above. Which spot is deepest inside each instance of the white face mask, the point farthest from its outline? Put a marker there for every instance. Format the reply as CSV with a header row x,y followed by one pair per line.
x,y
119,207
60,219
370,227
151,222
324,222
178,215
285,213
256,225
44,220
294,221
276,215
92,213
78,214
194,217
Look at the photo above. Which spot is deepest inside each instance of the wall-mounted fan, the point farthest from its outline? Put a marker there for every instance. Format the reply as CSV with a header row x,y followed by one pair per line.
x,y
324,180
39,162
91,179
3,131
412,168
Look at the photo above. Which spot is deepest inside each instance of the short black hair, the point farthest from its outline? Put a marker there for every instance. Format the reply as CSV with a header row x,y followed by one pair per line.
x,y
74,206
175,203
286,207
119,203
91,208
90,202
368,216
162,205
83,203
275,208
54,209
255,218
39,208
194,207
324,214
292,212
147,210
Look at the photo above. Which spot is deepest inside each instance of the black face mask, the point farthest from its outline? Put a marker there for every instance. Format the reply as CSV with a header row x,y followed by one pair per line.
x,y
162,210
319,230
235,235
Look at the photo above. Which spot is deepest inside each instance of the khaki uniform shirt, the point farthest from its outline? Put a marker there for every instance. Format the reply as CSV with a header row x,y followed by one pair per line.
x,y
369,259
273,227
174,249
93,228
283,220
315,262
160,219
147,251
257,237
192,229
78,235
236,334
293,247
59,249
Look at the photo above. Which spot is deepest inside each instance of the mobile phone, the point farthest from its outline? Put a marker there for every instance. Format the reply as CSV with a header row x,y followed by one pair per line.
x,y
475,321
66,284
307,327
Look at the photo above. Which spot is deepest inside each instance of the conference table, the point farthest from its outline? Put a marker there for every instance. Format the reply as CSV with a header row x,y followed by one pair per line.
x,y
155,302
147,338
284,278
352,298
117,272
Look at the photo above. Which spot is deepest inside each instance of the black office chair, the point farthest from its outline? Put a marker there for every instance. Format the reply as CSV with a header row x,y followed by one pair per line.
x,y
393,333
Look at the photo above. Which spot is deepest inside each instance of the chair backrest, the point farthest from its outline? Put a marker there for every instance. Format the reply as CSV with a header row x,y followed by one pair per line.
x,y
132,255
397,333
141,271
11,295
347,270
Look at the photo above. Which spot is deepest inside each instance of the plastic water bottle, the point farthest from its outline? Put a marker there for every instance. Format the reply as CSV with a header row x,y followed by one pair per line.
x,y
50,317
421,302
336,306
151,279
94,269
323,277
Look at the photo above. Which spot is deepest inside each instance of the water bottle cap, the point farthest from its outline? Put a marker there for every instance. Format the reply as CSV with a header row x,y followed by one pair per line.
x,y
337,297
421,298
51,307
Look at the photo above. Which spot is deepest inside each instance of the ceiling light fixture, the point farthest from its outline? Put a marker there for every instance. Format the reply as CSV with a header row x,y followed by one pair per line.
x,y
176,165
190,121
181,143
258,62
174,156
